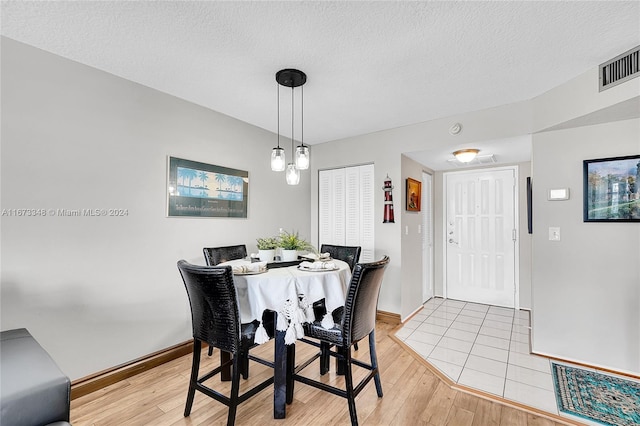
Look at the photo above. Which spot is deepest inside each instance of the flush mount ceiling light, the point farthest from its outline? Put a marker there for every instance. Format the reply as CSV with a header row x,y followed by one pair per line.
x,y
300,155
466,155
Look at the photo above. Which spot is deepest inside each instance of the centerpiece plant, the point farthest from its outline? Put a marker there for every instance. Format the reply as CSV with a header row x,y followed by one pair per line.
x,y
268,243
291,243
267,248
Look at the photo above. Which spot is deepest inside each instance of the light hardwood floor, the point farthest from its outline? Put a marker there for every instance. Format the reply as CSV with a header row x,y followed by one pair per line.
x,y
413,395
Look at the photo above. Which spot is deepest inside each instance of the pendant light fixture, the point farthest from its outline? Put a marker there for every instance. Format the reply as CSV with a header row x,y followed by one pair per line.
x,y
299,156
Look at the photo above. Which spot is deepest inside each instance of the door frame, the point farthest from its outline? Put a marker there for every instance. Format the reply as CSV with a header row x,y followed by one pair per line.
x,y
427,183
516,224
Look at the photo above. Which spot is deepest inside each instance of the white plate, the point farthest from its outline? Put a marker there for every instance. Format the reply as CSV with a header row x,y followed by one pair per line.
x,y
302,268
250,273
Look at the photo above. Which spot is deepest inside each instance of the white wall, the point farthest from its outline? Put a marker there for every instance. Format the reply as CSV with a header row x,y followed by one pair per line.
x,y
411,237
586,287
100,291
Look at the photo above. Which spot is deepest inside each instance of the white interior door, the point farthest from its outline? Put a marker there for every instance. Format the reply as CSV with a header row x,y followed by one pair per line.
x,y
480,235
427,236
346,208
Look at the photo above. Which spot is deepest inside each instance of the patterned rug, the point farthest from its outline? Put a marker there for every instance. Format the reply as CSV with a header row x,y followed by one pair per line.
x,y
597,397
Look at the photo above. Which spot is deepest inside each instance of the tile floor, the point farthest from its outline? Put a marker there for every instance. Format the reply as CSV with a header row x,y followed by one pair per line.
x,y
483,347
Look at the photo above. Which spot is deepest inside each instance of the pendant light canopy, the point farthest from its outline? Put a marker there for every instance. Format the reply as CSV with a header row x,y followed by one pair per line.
x,y
299,156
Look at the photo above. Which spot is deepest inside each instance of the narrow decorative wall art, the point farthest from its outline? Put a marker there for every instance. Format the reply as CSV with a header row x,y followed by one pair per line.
x,y
414,195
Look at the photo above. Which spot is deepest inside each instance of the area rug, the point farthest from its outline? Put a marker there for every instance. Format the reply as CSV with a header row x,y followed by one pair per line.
x,y
596,397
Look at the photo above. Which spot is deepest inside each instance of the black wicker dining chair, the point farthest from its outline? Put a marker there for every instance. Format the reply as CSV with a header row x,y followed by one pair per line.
x,y
358,321
216,255
349,254
215,320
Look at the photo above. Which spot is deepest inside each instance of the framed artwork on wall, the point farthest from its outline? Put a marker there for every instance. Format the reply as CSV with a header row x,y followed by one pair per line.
x,y
197,189
612,189
414,195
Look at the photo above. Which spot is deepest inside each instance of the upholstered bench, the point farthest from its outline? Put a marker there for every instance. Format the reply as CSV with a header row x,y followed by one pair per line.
x,y
33,390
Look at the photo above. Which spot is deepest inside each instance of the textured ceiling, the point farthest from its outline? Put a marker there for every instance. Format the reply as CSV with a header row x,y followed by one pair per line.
x,y
370,65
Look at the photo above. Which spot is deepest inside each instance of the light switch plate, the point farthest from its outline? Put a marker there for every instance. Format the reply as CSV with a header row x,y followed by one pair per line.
x,y
554,233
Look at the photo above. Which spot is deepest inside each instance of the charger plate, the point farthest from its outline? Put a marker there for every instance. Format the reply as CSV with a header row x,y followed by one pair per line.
x,y
250,273
302,268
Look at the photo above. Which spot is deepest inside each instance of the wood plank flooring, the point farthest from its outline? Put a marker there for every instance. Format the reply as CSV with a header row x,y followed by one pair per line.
x,y
413,395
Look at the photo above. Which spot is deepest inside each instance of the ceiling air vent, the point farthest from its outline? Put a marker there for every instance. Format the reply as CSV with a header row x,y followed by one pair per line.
x,y
620,69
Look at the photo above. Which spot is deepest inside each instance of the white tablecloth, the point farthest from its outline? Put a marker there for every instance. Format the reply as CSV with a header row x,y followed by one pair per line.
x,y
290,292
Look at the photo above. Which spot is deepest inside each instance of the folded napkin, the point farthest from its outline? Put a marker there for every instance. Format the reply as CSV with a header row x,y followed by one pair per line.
x,y
247,268
318,256
318,265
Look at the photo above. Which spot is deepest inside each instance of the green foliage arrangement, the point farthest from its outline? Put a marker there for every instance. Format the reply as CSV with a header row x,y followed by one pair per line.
x,y
292,241
268,243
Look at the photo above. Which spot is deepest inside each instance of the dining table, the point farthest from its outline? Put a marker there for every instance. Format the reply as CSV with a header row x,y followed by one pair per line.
x,y
289,289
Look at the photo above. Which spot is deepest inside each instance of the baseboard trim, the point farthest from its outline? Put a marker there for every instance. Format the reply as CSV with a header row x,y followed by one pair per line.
x,y
591,366
388,317
101,379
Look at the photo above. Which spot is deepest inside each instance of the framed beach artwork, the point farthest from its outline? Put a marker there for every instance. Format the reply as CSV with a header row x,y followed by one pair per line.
x,y
414,195
612,189
197,189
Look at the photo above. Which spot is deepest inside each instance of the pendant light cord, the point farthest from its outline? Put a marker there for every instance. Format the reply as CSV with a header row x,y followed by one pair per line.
x,y
278,95
293,152
302,115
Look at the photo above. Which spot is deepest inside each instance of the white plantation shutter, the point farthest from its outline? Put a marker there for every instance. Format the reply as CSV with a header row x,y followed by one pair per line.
x,y
352,206
325,207
346,208
367,194
339,194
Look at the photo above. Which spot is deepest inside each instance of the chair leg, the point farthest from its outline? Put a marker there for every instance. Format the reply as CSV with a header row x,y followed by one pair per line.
x,y
244,364
355,346
291,365
341,364
225,374
195,367
374,362
210,350
324,358
235,389
351,399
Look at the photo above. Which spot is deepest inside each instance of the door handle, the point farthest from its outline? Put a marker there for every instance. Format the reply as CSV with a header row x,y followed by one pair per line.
x,y
452,242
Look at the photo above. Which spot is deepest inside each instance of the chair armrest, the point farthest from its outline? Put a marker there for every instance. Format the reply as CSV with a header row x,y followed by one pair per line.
x,y
33,390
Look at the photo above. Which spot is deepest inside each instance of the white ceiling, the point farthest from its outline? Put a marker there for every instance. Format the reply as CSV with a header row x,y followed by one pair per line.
x,y
370,65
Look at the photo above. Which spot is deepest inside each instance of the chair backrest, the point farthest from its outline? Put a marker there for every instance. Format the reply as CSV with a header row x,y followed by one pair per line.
x,y
216,255
361,305
214,305
349,254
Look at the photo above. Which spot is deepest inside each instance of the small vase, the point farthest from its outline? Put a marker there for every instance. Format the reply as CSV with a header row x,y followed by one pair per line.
x,y
266,255
289,255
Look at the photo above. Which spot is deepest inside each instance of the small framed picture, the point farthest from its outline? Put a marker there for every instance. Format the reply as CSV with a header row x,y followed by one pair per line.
x,y
414,195
612,189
